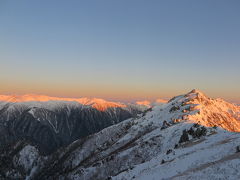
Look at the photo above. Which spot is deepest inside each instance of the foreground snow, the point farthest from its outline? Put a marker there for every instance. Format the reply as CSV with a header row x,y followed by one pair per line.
x,y
211,157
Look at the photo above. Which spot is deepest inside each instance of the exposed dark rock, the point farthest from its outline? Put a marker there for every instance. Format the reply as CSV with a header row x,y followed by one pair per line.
x,y
237,149
201,131
191,131
196,125
176,146
184,137
169,151
145,112
165,125
174,108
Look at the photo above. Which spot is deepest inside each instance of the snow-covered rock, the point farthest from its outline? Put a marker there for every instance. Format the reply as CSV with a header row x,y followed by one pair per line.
x,y
190,137
51,123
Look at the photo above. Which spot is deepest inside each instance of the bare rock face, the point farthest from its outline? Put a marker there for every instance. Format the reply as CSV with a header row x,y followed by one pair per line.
x,y
184,137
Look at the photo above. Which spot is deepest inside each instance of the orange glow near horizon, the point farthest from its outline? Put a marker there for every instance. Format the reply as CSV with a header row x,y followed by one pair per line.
x,y
124,96
106,91
90,91
108,52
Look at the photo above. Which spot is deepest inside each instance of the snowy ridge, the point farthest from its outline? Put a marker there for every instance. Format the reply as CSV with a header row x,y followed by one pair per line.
x,y
51,123
190,137
99,104
197,108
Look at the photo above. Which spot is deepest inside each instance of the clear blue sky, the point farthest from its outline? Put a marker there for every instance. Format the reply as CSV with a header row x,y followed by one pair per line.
x,y
126,49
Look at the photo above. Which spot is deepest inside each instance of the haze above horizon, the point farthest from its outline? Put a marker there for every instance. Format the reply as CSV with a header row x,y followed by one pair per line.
x,y
120,50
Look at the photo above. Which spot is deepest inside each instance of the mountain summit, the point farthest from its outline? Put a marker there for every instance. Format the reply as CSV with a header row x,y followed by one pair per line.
x,y
196,107
189,137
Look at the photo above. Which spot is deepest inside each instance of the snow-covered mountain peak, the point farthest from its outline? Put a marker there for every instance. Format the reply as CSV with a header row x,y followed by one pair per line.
x,y
144,103
196,91
99,104
179,139
102,105
197,95
149,104
196,107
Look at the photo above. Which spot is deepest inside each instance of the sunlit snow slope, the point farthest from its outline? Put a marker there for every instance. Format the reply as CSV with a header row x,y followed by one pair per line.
x,y
99,104
190,137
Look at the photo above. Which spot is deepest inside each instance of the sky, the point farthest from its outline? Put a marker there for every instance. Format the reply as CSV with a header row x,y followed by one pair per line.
x,y
120,50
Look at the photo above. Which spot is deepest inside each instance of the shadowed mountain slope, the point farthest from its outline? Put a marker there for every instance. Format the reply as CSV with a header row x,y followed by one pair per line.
x,y
190,137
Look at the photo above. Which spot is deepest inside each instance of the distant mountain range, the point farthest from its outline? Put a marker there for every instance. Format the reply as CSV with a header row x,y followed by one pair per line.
x,y
51,122
189,137
99,104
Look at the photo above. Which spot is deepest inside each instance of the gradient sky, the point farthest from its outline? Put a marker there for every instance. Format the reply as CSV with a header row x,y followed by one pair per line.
x,y
126,49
